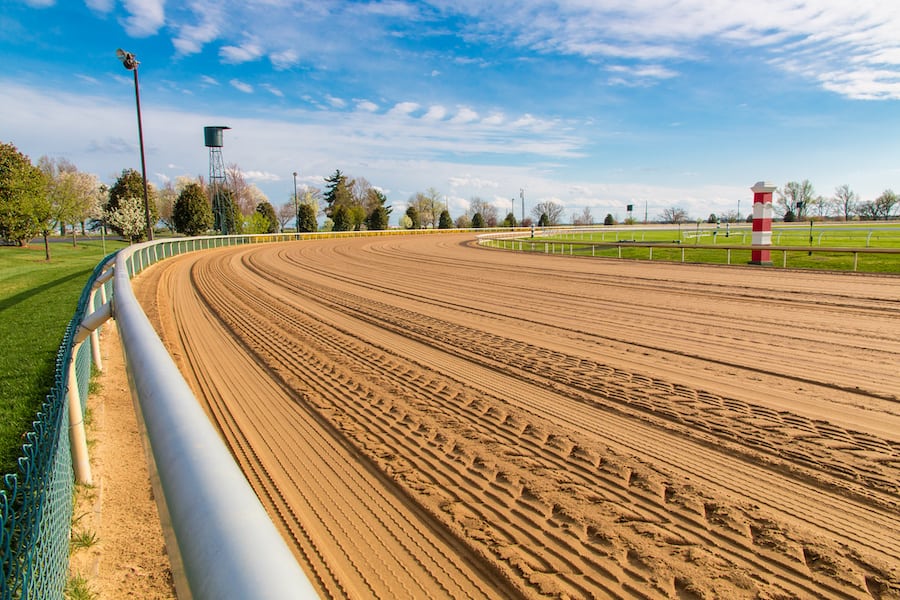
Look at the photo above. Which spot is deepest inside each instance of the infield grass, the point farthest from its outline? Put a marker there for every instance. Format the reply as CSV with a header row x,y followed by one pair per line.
x,y
698,244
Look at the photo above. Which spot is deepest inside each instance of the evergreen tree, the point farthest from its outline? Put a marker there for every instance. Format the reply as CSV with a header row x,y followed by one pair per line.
x,y
544,221
338,192
477,221
445,222
341,219
377,219
192,214
267,211
306,221
24,205
609,219
413,215
509,221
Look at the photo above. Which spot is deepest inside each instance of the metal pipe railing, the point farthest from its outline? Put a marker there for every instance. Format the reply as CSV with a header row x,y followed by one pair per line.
x,y
226,544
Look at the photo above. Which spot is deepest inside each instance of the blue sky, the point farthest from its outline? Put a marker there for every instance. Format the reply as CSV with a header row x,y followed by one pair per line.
x,y
598,104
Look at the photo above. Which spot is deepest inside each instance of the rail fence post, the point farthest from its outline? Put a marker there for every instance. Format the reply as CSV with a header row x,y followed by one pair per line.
x,y
81,464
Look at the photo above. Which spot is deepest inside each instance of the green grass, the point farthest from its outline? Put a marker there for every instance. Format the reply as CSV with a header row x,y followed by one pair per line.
x,y
82,539
78,588
37,301
696,248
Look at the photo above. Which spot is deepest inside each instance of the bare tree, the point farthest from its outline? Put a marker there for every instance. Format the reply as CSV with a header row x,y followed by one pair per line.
x,y
585,218
360,189
730,216
242,194
845,201
484,208
794,198
550,208
286,213
674,214
880,208
165,204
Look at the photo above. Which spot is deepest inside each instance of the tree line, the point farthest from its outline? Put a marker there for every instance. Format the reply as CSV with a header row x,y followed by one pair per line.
x,y
36,199
798,201
39,199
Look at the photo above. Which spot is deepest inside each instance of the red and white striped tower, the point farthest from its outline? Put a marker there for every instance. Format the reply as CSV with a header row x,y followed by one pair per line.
x,y
762,222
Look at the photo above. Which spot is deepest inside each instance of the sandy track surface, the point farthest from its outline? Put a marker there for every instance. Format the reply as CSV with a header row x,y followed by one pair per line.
x,y
427,419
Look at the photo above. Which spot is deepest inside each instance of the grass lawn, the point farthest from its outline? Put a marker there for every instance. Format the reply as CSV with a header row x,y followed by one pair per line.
x,y
697,242
37,301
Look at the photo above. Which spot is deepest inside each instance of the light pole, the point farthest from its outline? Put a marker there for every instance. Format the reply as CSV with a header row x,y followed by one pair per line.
x,y
131,63
296,206
522,195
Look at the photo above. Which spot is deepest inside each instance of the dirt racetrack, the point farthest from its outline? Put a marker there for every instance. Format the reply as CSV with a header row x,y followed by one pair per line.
x,y
426,419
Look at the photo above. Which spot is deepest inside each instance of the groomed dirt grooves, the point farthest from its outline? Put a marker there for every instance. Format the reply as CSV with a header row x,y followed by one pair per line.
x,y
423,418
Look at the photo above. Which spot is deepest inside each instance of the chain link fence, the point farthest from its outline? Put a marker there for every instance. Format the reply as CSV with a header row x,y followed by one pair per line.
x,y
36,500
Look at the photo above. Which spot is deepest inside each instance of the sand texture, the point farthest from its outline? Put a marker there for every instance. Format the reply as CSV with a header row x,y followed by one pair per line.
x,y
427,419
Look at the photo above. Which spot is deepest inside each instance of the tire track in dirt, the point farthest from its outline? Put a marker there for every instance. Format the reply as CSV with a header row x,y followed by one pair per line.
x,y
511,447
823,445
318,294
357,538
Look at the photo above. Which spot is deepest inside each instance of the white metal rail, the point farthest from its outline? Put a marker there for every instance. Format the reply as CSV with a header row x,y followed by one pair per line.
x,y
225,544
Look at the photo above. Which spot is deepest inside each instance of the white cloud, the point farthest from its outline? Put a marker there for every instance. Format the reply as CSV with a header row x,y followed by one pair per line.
x,y
101,6
235,55
209,80
366,106
241,86
404,108
191,38
464,114
336,102
496,118
284,60
272,90
472,182
435,113
825,37
145,17
261,176
40,3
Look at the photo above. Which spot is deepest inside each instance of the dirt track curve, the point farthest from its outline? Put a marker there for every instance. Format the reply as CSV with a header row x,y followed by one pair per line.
x,y
425,419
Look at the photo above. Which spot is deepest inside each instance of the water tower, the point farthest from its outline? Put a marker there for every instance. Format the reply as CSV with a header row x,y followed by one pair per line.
x,y
214,137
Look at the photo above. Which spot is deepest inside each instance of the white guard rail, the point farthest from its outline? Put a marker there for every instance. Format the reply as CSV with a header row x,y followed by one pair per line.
x,y
226,545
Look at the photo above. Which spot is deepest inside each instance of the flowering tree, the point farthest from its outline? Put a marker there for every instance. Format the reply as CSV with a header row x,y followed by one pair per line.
x,y
128,218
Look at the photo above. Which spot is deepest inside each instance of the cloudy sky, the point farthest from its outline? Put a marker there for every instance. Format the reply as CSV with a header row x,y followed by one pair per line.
x,y
591,103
